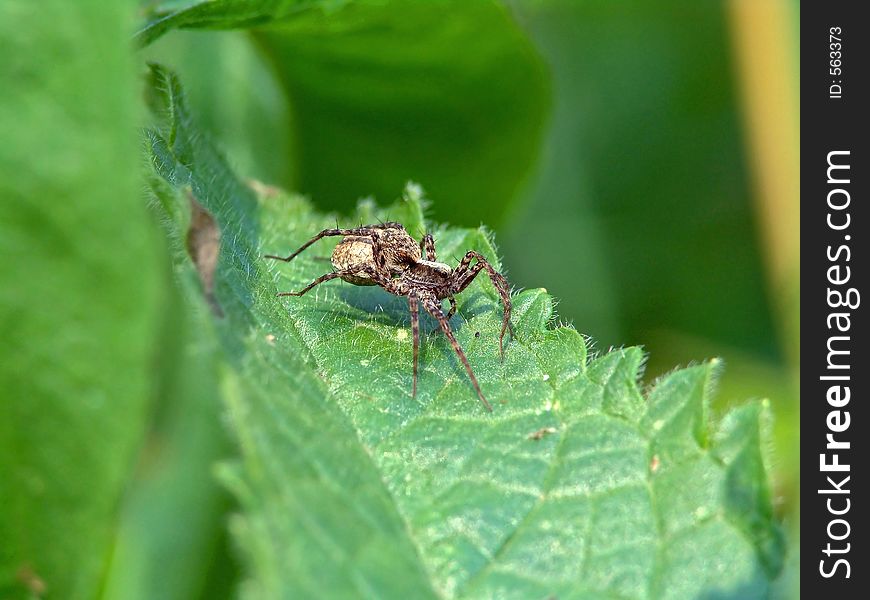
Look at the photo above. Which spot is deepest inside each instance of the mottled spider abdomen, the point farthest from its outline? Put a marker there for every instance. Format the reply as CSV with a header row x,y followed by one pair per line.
x,y
398,252
352,254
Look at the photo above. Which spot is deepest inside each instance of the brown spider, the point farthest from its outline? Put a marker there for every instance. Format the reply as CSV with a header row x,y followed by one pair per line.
x,y
386,255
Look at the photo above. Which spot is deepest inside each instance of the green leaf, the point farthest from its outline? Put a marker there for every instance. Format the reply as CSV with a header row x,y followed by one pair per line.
x,y
578,485
79,292
226,14
234,92
171,532
450,94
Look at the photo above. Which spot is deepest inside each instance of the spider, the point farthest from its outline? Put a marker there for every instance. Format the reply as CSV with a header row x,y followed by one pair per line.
x,y
386,255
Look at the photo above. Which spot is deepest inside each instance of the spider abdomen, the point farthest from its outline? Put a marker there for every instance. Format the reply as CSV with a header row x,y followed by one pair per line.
x,y
398,251
353,254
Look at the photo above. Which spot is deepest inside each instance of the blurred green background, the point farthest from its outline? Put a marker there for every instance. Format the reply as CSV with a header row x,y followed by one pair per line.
x,y
639,160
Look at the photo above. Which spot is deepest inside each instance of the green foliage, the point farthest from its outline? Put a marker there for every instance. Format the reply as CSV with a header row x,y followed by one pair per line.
x,y
647,215
644,136
226,14
79,294
171,532
446,93
335,481
579,485
235,95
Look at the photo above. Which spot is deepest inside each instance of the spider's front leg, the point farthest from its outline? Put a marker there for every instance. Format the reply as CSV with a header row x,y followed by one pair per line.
x,y
413,304
452,310
398,287
465,274
433,307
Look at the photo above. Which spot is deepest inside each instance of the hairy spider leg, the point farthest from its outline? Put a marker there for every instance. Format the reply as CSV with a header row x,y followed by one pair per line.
x,y
413,304
463,276
427,245
357,231
452,310
388,225
373,273
431,304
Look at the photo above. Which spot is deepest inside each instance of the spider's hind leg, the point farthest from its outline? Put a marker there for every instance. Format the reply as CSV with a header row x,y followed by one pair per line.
x,y
318,281
365,231
333,275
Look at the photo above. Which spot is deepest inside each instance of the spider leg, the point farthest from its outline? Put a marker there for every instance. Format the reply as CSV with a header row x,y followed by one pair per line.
x,y
333,275
427,245
452,310
415,333
463,276
431,304
359,231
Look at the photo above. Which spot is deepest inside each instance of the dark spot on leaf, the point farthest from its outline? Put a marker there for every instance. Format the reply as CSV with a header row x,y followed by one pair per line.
x,y
203,246
541,433
477,334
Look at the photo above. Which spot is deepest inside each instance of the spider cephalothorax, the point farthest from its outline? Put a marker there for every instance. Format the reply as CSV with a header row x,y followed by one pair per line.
x,y
386,255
